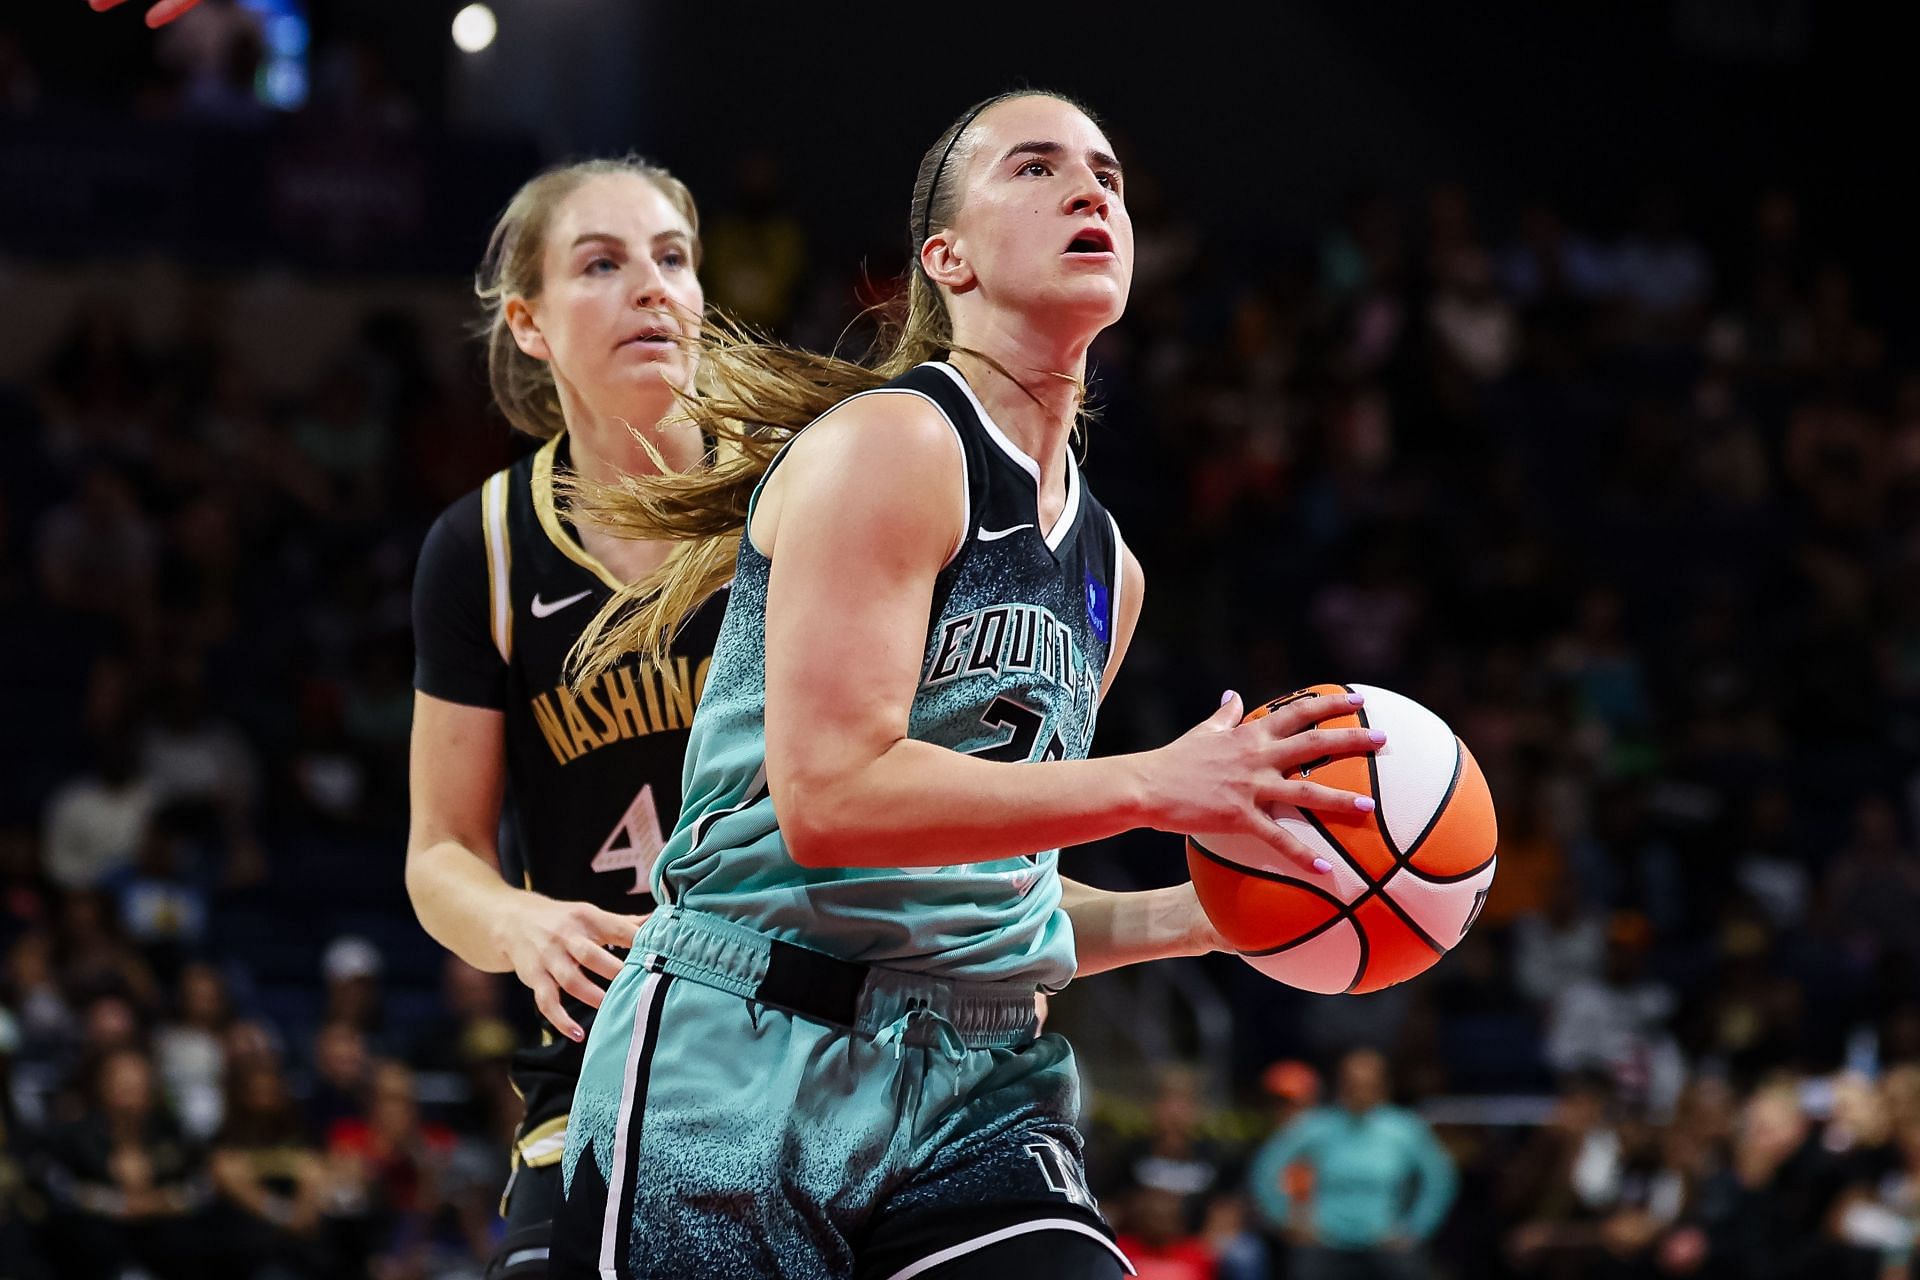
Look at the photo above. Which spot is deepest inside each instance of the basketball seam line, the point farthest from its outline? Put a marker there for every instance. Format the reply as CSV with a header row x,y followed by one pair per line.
x,y
1459,768
1400,861
1404,862
1453,784
1262,873
1366,954
1259,873
1374,887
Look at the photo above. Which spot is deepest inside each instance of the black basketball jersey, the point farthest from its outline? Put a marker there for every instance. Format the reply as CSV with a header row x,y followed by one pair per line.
x,y
504,588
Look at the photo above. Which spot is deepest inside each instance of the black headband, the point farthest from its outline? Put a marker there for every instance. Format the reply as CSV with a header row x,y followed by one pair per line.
x,y
926,218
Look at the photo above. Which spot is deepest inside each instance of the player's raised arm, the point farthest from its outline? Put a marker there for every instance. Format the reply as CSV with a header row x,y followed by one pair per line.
x,y
159,15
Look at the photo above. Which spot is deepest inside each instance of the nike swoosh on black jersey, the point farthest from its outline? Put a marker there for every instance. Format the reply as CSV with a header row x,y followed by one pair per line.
x,y
541,609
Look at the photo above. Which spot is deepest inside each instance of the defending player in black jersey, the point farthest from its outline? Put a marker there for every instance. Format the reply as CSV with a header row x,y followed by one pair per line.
x,y
590,284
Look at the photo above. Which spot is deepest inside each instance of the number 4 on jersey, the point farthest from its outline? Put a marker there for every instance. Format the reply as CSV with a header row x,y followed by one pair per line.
x,y
634,842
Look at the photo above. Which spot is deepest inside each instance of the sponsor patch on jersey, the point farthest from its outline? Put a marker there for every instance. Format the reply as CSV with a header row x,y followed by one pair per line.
x,y
1097,606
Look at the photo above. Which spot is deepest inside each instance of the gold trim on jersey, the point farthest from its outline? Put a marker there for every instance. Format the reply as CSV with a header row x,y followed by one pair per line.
x,y
542,1145
493,528
549,514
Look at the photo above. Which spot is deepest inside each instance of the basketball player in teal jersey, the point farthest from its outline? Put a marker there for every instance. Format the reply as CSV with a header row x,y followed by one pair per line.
x,y
821,1059
591,286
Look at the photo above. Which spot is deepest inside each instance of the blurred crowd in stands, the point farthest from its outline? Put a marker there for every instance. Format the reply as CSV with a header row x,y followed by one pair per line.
x,y
1635,506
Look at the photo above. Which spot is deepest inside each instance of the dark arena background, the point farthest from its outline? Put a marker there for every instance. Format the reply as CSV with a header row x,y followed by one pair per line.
x,y
1555,365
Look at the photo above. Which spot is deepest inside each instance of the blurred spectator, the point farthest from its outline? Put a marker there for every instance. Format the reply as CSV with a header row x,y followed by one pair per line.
x,y
1766,1216
1560,947
1474,323
1377,1183
190,1050
128,1189
1175,1156
163,907
1662,270
97,553
472,1019
1617,1023
1291,1087
1771,867
1177,1162
95,822
93,956
1873,886
42,1017
342,1070
195,757
351,968
1594,1192
272,1178
388,1169
1158,1240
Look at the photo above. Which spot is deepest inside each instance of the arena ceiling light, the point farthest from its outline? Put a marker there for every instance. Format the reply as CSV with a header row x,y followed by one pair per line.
x,y
474,28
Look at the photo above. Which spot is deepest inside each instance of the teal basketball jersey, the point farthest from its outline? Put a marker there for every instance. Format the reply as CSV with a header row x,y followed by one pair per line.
x,y
1020,633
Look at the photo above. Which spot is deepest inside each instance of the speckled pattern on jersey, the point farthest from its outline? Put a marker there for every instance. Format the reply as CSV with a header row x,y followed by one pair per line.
x,y
1014,658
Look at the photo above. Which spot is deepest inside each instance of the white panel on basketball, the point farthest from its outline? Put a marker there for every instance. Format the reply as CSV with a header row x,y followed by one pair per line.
x,y
1343,882
1416,765
1443,910
1325,964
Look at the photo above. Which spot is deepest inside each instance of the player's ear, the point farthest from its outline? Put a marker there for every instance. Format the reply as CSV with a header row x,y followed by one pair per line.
x,y
945,261
525,327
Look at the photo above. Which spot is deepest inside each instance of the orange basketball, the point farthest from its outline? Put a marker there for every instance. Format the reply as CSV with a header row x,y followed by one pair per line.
x,y
1408,879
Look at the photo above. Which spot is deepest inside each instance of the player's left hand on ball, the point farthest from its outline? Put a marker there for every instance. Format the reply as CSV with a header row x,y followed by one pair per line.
x,y
159,16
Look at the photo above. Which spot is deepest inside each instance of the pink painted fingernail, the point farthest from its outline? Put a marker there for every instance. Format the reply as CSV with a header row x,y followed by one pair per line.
x,y
1357,699
1363,803
576,1034
1378,735
1226,697
1322,865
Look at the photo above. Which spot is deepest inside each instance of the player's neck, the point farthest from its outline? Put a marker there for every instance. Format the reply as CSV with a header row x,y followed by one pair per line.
x,y
1038,413
605,446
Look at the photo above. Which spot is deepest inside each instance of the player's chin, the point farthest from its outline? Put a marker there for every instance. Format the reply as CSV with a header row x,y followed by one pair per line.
x,y
671,366
1093,300
648,379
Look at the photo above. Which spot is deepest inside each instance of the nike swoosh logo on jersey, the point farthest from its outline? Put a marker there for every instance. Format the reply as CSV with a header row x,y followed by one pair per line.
x,y
994,535
541,609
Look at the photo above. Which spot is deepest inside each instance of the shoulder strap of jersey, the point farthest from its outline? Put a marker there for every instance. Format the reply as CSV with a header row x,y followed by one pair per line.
x,y
929,383
1118,558
493,529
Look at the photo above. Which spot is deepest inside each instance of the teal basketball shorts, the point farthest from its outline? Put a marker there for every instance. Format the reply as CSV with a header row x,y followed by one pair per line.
x,y
752,1108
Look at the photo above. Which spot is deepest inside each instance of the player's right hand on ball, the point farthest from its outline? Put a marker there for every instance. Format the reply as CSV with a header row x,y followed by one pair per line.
x,y
1224,777
158,16
554,944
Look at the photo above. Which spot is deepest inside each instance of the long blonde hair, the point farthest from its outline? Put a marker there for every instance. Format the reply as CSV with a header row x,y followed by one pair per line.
x,y
522,385
752,396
